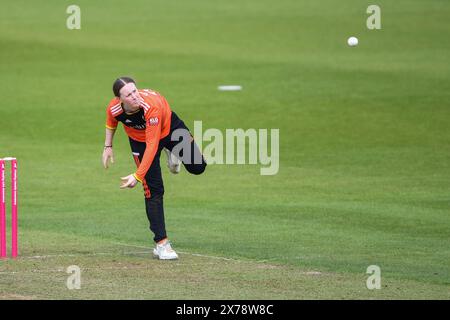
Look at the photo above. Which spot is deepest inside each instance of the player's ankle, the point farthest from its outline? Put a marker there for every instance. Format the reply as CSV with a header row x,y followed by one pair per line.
x,y
163,241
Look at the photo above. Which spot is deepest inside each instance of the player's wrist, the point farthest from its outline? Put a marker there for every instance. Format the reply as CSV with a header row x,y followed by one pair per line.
x,y
137,178
106,146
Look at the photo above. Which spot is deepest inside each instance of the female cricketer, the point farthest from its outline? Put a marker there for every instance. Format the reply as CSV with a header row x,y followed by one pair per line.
x,y
150,125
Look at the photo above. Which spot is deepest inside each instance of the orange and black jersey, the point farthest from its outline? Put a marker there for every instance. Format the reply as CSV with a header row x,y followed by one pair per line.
x,y
149,124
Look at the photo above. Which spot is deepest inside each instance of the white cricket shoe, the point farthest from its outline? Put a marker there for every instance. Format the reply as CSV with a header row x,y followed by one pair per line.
x,y
173,163
164,251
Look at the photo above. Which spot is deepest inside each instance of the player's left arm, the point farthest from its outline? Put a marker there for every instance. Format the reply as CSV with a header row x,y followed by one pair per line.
x,y
152,135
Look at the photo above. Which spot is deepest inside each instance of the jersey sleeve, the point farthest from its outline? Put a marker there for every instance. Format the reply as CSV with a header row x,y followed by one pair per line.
x,y
153,121
111,122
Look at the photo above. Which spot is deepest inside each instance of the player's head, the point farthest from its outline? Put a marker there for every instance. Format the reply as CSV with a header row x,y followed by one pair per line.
x,y
125,89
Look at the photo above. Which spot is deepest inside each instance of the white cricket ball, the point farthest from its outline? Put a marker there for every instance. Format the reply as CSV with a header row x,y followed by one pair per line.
x,y
352,41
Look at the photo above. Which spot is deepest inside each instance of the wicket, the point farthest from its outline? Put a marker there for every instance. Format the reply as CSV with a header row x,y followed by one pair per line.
x,y
3,251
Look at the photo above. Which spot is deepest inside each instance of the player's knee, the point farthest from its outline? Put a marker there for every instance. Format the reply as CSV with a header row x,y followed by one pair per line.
x,y
201,168
196,169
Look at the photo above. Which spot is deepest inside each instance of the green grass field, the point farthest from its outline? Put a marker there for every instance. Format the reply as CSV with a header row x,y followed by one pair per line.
x,y
364,173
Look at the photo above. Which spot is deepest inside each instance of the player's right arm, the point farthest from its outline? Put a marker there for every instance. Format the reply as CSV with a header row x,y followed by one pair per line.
x,y
108,150
111,125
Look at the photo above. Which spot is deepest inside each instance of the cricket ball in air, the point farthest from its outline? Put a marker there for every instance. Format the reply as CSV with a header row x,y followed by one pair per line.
x,y
352,41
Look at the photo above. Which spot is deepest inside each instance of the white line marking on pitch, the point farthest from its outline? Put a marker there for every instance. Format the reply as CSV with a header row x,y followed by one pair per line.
x,y
148,251
229,88
188,253
212,257
127,253
67,255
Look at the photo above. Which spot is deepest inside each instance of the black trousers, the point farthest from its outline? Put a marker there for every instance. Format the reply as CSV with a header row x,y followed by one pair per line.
x,y
153,182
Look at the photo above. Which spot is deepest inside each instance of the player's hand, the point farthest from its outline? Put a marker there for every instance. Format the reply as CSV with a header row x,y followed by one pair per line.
x,y
128,182
107,155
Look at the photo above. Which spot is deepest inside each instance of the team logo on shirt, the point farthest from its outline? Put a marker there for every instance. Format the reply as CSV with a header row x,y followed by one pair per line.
x,y
153,121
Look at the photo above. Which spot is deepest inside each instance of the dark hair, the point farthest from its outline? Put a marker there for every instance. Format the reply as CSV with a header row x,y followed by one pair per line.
x,y
119,83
